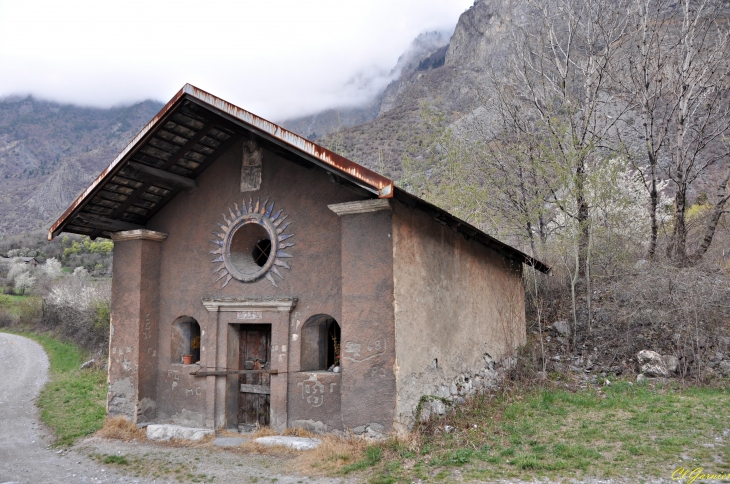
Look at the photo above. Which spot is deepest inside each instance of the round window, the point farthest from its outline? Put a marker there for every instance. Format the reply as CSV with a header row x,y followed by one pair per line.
x,y
251,245
248,254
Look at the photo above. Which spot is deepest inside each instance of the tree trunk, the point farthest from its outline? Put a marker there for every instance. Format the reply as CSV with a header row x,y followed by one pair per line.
x,y
582,218
677,248
653,202
714,219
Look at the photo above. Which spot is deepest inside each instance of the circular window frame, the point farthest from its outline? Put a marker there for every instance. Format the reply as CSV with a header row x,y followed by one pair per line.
x,y
262,221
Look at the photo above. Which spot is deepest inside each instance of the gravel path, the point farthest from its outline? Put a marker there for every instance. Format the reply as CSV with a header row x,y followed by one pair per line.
x,y
26,456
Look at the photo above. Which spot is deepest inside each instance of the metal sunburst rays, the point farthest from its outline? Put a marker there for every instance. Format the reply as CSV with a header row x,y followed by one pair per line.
x,y
274,224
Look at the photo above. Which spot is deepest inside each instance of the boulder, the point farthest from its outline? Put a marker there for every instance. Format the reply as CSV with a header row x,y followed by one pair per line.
x,y
652,364
724,367
671,362
561,327
169,432
640,379
438,407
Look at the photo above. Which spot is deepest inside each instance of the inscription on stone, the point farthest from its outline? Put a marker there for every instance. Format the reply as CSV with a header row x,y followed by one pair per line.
x,y
313,391
147,331
249,315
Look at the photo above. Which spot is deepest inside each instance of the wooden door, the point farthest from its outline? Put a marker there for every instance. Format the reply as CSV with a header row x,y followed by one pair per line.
x,y
255,389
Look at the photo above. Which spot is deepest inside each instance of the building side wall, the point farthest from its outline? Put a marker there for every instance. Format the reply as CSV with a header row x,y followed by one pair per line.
x,y
459,308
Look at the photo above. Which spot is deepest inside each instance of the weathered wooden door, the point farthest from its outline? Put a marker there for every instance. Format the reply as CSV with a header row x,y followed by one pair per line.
x,y
255,353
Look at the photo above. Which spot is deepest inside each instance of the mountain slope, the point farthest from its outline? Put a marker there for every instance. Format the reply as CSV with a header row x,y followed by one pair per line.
x,y
49,152
426,51
453,80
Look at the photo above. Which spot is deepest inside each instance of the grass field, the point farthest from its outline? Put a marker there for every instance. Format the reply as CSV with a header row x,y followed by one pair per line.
x,y
621,430
72,403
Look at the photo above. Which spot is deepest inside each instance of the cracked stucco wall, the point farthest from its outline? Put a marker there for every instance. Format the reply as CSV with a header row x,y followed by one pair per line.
x,y
459,307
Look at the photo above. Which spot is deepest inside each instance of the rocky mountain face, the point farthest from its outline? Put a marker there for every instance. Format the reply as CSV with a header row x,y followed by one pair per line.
x,y
49,152
450,76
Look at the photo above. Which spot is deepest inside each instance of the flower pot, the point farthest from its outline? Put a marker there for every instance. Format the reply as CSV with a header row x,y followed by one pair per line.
x,y
187,359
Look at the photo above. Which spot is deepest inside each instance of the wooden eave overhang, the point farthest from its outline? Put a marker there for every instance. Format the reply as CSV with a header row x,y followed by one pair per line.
x,y
188,135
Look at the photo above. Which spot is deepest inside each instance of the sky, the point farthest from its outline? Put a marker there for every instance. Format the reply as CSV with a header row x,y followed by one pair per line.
x,y
278,59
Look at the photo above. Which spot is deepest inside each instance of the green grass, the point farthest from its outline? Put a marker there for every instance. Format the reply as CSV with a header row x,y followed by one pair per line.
x,y
72,403
618,431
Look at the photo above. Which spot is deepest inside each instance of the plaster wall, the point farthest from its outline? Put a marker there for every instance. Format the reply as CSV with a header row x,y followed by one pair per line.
x,y
368,329
459,307
186,277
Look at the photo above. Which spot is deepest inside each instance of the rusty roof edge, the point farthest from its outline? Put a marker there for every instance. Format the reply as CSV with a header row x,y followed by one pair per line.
x,y
110,170
382,186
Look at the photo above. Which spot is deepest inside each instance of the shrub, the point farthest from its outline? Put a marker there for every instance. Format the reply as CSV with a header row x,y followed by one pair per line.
x,y
78,309
6,319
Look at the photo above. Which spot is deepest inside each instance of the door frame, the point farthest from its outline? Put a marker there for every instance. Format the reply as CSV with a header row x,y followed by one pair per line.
x,y
228,315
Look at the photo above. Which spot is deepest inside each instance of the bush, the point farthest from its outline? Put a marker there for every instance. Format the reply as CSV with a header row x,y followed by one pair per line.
x,y
78,309
6,319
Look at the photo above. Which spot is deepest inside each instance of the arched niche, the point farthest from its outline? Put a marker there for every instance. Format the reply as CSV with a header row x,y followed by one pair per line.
x,y
185,339
320,348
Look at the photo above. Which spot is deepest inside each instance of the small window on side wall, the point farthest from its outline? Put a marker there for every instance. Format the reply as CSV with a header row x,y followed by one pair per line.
x,y
320,344
185,340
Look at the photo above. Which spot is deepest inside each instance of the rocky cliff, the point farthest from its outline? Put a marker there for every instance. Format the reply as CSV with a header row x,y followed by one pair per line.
x,y
452,79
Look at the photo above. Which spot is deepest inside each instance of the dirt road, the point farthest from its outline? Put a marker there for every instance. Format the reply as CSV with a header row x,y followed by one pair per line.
x,y
27,458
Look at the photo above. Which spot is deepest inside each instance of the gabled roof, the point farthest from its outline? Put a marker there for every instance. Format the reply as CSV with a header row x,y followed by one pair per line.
x,y
188,135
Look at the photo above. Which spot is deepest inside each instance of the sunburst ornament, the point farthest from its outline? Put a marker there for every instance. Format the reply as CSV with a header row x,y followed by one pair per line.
x,y
251,244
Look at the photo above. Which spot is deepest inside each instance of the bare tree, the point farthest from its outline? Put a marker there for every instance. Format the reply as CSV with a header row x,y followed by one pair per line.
x,y
563,63
512,166
697,75
647,93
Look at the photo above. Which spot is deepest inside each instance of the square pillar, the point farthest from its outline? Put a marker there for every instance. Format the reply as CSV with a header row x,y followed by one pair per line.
x,y
133,332
368,392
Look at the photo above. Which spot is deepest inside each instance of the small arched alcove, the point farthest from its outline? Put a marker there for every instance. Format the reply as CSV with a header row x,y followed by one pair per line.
x,y
320,343
185,339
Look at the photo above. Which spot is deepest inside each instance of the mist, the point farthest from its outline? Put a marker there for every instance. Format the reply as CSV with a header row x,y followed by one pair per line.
x,y
278,59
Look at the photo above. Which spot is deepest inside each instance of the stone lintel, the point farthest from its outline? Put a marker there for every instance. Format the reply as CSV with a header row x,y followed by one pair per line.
x,y
140,234
235,305
361,206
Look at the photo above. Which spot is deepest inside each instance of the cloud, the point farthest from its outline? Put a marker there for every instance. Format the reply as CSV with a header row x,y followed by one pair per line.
x,y
278,59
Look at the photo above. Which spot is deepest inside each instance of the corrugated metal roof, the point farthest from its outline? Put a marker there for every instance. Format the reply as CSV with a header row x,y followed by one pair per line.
x,y
182,140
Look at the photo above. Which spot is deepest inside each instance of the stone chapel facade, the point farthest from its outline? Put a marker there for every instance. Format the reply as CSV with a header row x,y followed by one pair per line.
x,y
260,279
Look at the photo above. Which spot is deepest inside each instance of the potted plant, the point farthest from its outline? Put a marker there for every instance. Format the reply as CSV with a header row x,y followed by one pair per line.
x,y
187,359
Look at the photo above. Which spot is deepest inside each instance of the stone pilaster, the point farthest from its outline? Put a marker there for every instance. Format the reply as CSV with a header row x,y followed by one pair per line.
x,y
368,327
133,341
